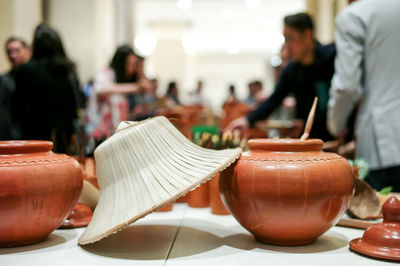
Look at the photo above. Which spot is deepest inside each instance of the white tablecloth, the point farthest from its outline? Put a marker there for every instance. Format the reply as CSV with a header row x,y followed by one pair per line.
x,y
185,236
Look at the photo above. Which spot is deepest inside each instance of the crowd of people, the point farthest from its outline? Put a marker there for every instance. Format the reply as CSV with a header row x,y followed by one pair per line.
x,y
355,80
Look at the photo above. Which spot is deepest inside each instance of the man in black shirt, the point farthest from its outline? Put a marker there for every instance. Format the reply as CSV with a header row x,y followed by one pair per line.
x,y
17,53
307,76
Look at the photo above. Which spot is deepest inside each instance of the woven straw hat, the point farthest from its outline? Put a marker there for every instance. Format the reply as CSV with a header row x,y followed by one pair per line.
x,y
143,167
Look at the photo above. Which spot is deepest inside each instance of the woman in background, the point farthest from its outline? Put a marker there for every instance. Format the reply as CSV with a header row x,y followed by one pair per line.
x,y
47,92
172,93
108,104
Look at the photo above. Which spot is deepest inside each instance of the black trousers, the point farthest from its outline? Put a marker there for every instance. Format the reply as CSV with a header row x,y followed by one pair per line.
x,y
381,178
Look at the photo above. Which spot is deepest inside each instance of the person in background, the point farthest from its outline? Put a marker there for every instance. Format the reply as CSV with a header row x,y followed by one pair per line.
x,y
156,104
140,70
108,103
259,95
197,97
138,102
172,94
18,53
231,94
307,75
279,62
367,75
151,95
47,92
250,100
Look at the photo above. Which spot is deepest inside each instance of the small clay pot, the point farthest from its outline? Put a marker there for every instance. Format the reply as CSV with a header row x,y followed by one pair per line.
x,y
38,190
182,199
216,204
166,208
79,217
198,198
287,191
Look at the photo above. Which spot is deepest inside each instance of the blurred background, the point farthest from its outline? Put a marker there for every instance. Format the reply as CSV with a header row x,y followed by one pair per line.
x,y
220,42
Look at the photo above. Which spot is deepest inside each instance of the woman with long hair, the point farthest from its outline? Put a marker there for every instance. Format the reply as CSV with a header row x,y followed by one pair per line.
x,y
47,92
108,101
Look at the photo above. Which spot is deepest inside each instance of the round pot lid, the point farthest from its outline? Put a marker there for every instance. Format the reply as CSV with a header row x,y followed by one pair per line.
x,y
382,240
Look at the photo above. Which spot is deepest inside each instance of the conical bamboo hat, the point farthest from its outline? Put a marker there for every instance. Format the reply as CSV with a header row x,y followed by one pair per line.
x,y
143,167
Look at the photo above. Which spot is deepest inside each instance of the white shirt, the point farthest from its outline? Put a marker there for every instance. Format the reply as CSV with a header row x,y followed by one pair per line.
x,y
367,69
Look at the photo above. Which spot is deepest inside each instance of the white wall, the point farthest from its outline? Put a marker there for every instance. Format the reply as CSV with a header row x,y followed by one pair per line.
x,y
87,28
28,14
6,30
17,18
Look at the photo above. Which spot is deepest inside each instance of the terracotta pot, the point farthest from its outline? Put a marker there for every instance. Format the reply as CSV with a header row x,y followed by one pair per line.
x,y
216,204
79,217
90,172
38,190
182,199
166,208
287,191
198,198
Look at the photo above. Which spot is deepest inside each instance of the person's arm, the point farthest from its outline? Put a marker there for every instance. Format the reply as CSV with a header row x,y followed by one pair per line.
x,y
282,89
121,88
346,83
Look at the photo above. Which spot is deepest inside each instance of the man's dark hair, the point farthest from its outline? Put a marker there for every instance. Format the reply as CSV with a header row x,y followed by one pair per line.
x,y
171,86
257,83
16,39
300,22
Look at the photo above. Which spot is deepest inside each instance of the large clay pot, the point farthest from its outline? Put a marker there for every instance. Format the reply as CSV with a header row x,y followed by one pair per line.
x,y
287,191
38,190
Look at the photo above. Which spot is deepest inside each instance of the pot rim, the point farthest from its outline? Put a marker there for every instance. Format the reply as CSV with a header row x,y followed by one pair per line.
x,y
24,146
285,145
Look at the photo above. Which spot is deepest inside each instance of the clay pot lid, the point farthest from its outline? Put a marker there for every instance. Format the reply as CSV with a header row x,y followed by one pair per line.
x,y
24,146
285,144
79,217
382,240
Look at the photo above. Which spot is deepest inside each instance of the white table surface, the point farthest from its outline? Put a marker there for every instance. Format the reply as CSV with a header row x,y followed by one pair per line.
x,y
185,236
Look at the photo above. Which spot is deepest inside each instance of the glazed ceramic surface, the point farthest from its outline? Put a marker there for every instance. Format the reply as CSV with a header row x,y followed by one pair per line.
x,y
38,190
287,191
382,240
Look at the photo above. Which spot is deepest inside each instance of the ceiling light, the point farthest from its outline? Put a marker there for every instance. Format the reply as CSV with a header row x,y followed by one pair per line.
x,y
145,44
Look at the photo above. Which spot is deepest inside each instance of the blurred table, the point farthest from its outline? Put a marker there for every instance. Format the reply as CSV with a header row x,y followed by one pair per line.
x,y
185,236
